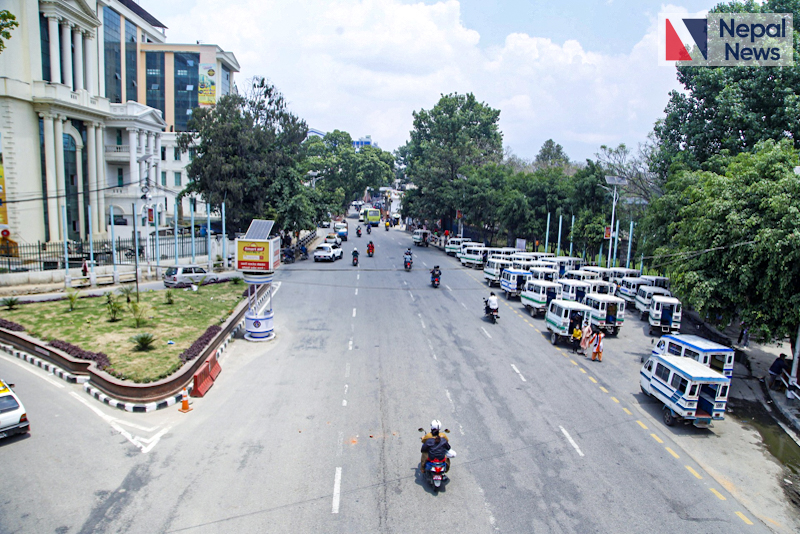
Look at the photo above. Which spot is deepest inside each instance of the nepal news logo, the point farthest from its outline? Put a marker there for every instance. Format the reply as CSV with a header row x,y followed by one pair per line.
x,y
726,40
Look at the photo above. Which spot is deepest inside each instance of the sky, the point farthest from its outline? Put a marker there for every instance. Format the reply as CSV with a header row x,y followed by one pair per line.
x,y
583,73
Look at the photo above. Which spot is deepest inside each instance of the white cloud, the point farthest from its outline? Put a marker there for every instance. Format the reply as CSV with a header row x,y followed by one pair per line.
x,y
364,66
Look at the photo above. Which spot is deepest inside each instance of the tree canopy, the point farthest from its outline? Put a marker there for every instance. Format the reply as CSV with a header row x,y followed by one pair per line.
x,y
7,23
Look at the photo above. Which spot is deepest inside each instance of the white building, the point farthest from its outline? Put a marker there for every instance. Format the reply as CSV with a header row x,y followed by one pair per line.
x,y
91,96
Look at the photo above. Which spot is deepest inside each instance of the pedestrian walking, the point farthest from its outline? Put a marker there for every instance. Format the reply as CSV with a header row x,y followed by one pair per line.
x,y
586,338
776,370
85,268
746,337
741,332
597,346
577,334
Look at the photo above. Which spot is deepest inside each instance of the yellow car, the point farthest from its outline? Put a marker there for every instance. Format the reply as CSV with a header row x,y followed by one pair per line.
x,y
13,419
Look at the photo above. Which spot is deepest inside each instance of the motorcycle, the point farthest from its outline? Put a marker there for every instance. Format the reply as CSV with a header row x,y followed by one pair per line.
x,y
288,256
435,469
355,261
407,264
369,228
370,252
492,314
387,227
358,232
435,281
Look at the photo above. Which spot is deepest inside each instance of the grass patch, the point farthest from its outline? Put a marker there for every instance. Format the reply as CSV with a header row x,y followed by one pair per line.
x,y
88,327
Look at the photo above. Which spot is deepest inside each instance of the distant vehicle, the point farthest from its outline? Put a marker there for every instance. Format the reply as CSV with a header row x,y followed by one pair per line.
x,y
537,295
373,217
513,281
328,252
629,287
560,314
697,348
341,230
453,246
607,312
325,224
494,269
333,239
664,315
13,418
187,275
645,294
421,237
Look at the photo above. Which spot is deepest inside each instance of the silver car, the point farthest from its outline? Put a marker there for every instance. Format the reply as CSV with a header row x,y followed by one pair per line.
x,y
186,275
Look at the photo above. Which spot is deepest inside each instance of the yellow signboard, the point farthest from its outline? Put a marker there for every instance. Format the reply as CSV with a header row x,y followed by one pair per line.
x,y
258,255
207,90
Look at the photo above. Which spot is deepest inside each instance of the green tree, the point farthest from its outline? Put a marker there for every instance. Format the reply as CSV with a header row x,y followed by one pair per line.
x,y
551,155
7,23
459,132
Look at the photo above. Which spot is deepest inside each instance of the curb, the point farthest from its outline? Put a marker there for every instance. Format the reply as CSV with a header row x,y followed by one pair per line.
x,y
47,366
790,417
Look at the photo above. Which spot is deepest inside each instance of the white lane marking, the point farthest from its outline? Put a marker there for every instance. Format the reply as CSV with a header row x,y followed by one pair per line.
x,y
344,402
461,429
517,371
337,483
354,312
339,444
356,291
420,320
465,306
276,286
425,264
571,441
412,295
347,370
434,356
452,404
138,427
32,371
448,287
350,344
405,283
358,276
346,387
487,333
154,440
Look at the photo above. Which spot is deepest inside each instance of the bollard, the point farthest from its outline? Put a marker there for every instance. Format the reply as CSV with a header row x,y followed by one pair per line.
x,y
185,402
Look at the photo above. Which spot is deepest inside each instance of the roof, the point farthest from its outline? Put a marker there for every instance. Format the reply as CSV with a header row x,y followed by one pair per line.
x,y
571,305
139,10
666,299
633,279
694,370
544,283
652,277
604,297
700,343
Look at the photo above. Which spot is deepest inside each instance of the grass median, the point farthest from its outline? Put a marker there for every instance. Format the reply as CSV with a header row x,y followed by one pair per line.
x,y
89,326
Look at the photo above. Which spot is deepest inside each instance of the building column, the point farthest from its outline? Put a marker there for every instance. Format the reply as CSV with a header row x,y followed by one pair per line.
x,y
101,54
158,160
102,183
61,178
53,215
91,147
77,57
91,64
151,166
81,194
134,165
142,164
55,51
66,53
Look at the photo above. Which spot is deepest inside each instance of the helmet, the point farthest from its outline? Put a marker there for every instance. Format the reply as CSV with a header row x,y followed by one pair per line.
x,y
436,425
355,249
492,293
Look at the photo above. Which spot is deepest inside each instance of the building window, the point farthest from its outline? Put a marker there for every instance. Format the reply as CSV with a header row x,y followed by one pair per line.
x,y
226,80
154,82
177,155
113,58
120,180
187,78
192,153
119,136
163,153
131,92
178,179
44,38
164,178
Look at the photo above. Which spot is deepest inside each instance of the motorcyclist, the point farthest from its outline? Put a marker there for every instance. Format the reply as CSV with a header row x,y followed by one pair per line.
x,y
435,445
492,302
370,248
289,254
358,231
355,254
304,251
387,226
369,228
436,273
407,256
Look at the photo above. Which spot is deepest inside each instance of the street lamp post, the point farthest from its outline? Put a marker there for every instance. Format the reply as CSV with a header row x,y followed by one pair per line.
x,y
615,181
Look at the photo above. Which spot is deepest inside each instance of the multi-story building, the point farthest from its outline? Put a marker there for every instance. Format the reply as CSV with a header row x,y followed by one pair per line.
x,y
91,100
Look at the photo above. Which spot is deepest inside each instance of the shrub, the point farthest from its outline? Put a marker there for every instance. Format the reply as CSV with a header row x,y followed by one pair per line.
x,y
99,358
127,290
169,296
10,325
143,341
236,280
10,302
72,299
139,312
197,347
115,308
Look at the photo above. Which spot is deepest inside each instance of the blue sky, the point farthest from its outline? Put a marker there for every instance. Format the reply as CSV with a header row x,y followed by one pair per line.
x,y
582,73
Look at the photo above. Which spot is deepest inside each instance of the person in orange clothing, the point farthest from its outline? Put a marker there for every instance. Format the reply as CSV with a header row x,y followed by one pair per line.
x,y
597,346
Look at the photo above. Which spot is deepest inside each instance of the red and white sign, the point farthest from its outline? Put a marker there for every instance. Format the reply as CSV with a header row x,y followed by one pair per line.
x,y
607,234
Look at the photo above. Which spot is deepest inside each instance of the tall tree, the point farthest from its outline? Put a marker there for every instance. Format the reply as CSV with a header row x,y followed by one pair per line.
x,y
551,155
7,23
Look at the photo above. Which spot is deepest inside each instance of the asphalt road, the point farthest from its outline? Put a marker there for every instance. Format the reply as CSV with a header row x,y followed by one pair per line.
x,y
317,430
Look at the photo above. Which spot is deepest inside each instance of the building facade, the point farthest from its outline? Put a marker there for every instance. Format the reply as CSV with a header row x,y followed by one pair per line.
x,y
91,100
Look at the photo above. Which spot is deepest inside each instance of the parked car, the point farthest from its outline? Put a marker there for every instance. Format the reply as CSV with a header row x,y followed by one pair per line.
x,y
186,275
13,418
333,239
328,252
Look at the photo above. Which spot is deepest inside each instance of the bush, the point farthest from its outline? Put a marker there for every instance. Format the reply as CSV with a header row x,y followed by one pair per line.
x,y
72,299
237,280
202,342
10,302
139,312
115,308
143,341
127,290
169,296
76,352
10,325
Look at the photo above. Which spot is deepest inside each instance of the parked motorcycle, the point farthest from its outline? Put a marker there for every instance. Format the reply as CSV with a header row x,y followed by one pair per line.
x,y
288,256
492,314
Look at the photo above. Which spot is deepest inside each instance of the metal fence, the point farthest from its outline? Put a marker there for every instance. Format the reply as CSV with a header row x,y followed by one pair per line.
x,y
50,256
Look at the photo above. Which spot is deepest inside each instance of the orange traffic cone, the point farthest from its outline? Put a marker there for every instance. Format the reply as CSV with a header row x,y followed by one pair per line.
x,y
185,402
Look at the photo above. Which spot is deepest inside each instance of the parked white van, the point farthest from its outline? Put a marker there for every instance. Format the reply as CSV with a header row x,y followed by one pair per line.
x,y
501,252
421,238
537,295
656,281
573,289
690,391
607,312
602,272
524,265
580,274
494,269
463,247
566,263
524,256
618,273
513,281
698,348
559,316
544,273
601,286
473,256
664,315
629,286
453,245
644,295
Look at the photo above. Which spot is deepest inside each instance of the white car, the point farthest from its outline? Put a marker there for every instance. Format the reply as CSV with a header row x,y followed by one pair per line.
x,y
328,252
333,239
325,224
186,275
13,419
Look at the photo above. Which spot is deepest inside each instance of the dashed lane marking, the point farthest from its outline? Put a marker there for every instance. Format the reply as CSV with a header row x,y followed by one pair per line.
x,y
627,411
344,402
517,371
487,333
420,320
641,424
354,312
465,306
571,441
411,295
695,473
615,400
350,344
718,494
593,379
604,390
744,518
448,287
452,404
574,362
582,370
337,489
356,291
347,370
673,453
659,440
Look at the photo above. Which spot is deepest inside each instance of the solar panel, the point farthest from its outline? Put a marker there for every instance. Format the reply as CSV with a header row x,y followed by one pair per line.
x,y
616,180
259,229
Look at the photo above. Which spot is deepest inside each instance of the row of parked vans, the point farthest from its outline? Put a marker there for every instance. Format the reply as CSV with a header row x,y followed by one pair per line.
x,y
690,375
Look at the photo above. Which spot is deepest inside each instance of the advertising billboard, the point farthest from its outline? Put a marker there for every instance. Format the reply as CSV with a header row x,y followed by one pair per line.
x,y
258,255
